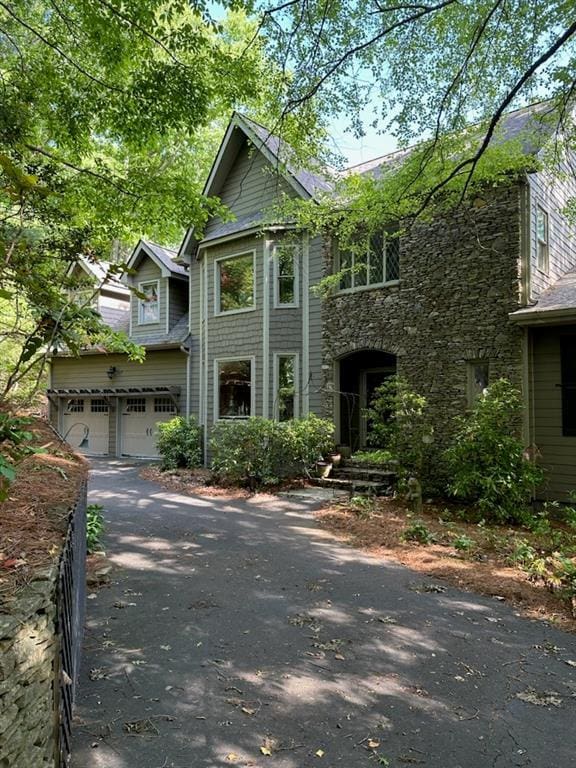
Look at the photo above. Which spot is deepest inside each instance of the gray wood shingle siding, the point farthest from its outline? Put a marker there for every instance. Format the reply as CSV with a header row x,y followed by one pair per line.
x,y
252,186
552,195
558,453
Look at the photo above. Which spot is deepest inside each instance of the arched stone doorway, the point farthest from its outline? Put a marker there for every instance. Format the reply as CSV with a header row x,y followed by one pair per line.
x,y
357,375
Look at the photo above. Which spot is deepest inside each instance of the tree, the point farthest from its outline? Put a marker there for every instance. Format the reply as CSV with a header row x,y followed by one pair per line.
x,y
428,69
110,113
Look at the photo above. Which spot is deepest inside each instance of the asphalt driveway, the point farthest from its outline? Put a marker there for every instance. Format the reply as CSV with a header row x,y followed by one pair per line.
x,y
238,633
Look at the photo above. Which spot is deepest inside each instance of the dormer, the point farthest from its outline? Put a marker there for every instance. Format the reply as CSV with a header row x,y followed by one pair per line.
x,y
159,299
93,282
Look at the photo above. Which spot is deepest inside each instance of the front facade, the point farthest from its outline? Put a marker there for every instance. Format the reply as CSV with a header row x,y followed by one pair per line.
x,y
484,292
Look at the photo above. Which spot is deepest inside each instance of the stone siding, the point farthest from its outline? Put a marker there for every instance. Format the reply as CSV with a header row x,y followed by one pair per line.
x,y
28,654
460,277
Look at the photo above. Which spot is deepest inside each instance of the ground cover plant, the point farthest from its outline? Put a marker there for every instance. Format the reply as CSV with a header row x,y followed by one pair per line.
x,y
531,565
94,527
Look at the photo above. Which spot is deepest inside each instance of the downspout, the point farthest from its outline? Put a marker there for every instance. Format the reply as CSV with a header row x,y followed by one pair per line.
x,y
188,353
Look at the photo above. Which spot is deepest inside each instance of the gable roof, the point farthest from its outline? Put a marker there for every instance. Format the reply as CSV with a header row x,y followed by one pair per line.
x,y
98,270
164,258
557,304
530,125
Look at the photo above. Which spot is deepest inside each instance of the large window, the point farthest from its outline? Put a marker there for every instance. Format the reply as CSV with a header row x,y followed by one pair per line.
x,y
370,262
285,386
149,303
542,239
234,396
235,284
286,275
568,367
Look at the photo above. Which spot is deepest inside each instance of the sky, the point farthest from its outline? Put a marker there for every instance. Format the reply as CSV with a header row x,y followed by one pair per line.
x,y
358,150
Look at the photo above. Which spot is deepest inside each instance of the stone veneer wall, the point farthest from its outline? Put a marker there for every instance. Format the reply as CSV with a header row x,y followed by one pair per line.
x,y
28,654
460,277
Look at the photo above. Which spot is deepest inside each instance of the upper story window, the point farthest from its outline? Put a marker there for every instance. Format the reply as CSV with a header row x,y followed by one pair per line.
x,y
542,239
149,303
286,275
373,261
234,289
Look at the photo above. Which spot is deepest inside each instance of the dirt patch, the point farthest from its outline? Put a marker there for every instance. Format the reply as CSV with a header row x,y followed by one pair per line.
x,y
485,569
33,519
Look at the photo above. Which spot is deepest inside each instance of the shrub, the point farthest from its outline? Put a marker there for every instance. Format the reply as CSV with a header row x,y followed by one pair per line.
x,y
259,451
398,423
487,462
178,443
379,456
94,527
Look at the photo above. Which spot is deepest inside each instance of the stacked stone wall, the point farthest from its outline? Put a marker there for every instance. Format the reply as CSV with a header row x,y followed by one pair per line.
x,y
28,654
459,280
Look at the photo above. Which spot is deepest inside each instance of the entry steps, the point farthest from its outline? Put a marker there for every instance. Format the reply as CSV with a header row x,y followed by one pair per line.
x,y
360,478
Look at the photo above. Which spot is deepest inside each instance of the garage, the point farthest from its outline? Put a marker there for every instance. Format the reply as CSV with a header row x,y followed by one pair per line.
x,y
86,424
139,417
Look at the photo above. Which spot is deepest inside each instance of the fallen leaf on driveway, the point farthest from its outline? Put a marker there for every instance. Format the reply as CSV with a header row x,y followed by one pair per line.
x,y
541,699
319,753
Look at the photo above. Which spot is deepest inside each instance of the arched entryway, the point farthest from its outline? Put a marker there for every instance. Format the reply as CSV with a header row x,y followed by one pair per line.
x,y
357,376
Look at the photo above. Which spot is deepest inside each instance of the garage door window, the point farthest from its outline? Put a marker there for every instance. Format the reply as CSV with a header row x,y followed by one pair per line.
x,y
75,406
164,405
99,406
136,405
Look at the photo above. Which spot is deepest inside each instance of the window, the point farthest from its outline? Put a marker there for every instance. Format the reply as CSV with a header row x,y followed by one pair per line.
x,y
478,373
285,387
542,239
98,406
235,284
234,399
285,276
136,405
164,405
568,368
149,303
75,406
374,261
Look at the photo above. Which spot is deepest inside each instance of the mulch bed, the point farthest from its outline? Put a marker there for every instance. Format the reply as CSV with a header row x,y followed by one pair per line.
x,y
485,570
33,519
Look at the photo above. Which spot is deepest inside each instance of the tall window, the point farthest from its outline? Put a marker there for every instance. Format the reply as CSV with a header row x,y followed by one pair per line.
x,y
478,379
373,261
286,394
542,239
149,303
235,283
286,275
568,368
234,396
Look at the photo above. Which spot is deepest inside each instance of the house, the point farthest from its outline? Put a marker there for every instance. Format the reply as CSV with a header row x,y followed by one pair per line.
x,y
105,404
482,292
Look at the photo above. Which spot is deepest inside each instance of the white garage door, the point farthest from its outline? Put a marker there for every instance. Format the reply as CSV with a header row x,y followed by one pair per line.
x,y
139,418
85,425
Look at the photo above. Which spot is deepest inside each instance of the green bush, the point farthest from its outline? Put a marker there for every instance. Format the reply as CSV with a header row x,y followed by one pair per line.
x,y
379,456
399,424
487,462
94,527
178,443
259,451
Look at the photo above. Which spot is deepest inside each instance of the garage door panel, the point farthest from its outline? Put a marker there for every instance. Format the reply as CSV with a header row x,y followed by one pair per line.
x,y
139,417
85,425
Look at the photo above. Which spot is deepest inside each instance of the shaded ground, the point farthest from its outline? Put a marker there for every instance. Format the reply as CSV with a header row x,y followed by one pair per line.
x,y
235,632
33,519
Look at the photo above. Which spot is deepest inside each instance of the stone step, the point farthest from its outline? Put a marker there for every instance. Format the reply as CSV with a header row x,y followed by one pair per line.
x,y
387,467
354,486
347,472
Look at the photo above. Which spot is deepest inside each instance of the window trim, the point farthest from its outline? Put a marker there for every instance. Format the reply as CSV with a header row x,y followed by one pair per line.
x,y
216,387
296,250
141,302
276,381
544,268
217,311
369,286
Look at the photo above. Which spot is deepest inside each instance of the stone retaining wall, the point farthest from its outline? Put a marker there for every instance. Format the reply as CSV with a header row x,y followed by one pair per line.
x,y
28,660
